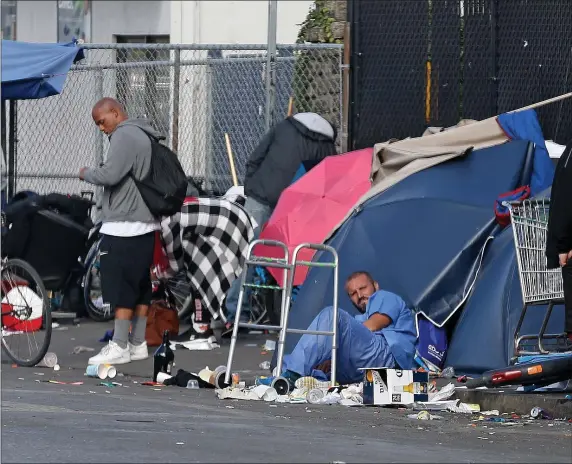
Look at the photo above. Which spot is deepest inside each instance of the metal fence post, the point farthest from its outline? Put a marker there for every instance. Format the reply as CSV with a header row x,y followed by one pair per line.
x,y
271,63
176,90
493,57
12,148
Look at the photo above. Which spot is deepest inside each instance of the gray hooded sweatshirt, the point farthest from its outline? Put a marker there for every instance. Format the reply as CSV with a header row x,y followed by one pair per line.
x,y
129,153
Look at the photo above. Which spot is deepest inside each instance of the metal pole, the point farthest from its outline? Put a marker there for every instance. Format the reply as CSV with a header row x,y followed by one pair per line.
x,y
12,142
3,131
493,58
98,142
176,83
270,63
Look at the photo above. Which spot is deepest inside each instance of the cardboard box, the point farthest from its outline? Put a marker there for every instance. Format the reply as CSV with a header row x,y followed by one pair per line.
x,y
382,386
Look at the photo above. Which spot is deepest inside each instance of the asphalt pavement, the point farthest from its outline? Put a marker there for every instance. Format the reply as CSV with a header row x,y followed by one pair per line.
x,y
48,422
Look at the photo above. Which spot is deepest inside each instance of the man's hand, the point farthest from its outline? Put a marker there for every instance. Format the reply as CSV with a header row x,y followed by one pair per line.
x,y
564,258
325,367
81,173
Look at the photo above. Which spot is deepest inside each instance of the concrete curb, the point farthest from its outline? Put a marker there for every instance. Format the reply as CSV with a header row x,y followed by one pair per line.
x,y
520,403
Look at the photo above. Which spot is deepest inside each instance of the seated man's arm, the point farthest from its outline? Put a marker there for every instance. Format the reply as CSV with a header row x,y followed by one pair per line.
x,y
377,322
384,309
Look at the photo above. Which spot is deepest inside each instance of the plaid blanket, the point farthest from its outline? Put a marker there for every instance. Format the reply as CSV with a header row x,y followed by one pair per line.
x,y
209,239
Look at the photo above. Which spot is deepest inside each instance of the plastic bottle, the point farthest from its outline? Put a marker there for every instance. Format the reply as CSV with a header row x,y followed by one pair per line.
x,y
193,384
448,373
315,395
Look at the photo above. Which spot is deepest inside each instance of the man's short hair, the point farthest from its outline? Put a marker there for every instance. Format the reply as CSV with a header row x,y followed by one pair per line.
x,y
355,274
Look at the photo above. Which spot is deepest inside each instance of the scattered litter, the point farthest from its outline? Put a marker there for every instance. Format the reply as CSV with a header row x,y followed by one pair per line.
x,y
49,360
157,389
80,349
107,336
55,325
264,365
257,393
539,413
424,415
150,384
493,412
270,345
196,345
483,438
180,443
444,394
250,345
448,373
229,407
21,378
38,373
59,382
107,384
57,367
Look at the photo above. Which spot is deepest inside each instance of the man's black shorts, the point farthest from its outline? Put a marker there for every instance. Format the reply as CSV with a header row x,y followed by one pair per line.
x,y
125,266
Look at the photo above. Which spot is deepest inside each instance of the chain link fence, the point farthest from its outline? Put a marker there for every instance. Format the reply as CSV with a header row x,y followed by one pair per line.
x,y
421,63
192,94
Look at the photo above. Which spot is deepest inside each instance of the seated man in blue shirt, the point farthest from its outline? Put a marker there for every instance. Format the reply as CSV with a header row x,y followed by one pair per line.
x,y
382,335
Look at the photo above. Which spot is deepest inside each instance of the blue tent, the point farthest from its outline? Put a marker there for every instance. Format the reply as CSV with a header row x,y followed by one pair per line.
x,y
424,237
35,70
483,338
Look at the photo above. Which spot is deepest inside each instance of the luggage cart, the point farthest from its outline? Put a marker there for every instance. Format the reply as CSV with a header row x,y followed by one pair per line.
x,y
539,285
281,385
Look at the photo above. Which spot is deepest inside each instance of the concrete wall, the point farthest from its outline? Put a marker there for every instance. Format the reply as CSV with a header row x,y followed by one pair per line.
x,y
149,17
234,22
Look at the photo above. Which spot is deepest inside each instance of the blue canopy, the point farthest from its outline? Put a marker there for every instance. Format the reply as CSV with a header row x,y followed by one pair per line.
x,y
424,237
35,70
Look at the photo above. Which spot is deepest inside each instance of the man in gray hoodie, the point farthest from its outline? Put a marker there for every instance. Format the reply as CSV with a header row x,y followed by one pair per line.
x,y
128,229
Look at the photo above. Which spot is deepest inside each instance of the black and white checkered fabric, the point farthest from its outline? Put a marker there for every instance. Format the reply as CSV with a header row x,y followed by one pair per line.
x,y
209,239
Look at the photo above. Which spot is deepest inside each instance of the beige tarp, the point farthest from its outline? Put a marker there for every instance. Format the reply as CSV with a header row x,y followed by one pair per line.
x,y
393,162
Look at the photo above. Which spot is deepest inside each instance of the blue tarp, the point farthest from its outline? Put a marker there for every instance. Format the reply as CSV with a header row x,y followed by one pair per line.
x,y
483,338
524,125
35,70
423,238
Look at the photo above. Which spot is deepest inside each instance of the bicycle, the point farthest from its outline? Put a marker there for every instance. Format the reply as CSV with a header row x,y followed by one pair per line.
x,y
25,312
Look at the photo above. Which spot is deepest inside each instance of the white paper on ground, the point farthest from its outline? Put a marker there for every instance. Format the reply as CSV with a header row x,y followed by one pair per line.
x,y
444,394
195,345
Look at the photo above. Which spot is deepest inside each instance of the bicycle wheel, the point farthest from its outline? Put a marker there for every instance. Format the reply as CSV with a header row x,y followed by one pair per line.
x,y
180,294
26,313
92,287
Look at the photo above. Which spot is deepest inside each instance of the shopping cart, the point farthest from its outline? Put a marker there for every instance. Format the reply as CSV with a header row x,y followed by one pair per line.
x,y
539,285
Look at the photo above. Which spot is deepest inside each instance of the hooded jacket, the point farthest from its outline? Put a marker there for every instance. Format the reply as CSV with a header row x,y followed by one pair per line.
x,y
559,233
129,154
306,138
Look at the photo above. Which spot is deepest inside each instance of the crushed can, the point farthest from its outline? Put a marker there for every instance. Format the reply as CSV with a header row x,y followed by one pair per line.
x,y
539,413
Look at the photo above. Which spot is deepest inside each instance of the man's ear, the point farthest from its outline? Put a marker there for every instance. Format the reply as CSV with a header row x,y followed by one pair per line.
x,y
376,286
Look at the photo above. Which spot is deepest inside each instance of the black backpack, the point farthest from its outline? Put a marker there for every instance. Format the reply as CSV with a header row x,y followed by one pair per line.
x,y
165,186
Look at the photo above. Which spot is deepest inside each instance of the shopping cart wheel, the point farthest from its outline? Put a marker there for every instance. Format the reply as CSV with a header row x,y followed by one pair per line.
x,y
281,385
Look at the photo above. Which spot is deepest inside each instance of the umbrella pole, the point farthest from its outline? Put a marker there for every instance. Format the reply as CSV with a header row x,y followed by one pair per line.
x,y
290,106
231,160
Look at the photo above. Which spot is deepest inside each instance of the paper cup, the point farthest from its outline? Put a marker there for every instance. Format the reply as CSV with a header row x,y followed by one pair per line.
x,y
49,360
162,376
101,371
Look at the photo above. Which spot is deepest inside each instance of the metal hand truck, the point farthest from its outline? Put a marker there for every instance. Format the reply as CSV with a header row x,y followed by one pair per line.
x,y
282,385
539,285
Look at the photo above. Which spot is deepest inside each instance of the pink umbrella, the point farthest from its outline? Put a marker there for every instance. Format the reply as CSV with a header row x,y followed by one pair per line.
x,y
309,209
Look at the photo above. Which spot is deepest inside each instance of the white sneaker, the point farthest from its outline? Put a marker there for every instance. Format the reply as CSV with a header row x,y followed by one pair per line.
x,y
138,352
111,353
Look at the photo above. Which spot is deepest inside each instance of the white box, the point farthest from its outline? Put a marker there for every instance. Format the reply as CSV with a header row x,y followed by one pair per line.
x,y
382,386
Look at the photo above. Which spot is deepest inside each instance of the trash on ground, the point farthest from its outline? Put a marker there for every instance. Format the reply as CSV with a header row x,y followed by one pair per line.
x,y
107,336
539,413
182,379
193,384
152,384
81,349
196,345
107,384
57,367
444,394
270,345
102,371
424,415
162,376
265,365
49,360
383,386
493,412
257,393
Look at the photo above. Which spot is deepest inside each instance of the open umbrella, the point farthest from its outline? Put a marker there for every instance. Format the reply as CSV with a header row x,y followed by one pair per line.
x,y
309,209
